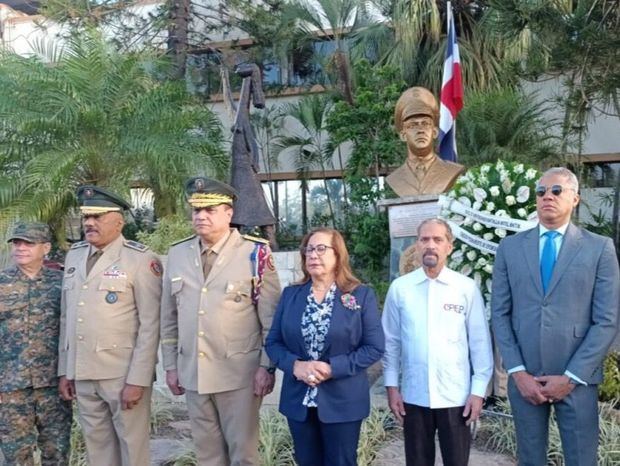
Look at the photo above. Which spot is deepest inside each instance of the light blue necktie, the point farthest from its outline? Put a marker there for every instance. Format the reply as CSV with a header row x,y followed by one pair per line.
x,y
547,260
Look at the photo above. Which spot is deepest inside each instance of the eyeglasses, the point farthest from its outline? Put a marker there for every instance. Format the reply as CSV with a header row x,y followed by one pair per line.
x,y
319,248
556,190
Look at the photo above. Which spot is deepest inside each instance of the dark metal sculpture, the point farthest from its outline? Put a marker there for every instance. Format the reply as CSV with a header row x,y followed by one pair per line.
x,y
251,209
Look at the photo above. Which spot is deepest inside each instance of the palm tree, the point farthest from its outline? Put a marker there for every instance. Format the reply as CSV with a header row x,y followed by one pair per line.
x,y
505,124
309,139
88,114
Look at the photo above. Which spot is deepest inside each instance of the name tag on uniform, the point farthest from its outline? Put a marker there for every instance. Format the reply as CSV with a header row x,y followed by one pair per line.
x,y
114,272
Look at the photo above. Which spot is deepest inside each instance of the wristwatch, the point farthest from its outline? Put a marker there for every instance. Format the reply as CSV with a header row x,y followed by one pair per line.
x,y
270,369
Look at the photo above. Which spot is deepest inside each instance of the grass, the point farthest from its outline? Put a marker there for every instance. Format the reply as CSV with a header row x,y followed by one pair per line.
x,y
500,435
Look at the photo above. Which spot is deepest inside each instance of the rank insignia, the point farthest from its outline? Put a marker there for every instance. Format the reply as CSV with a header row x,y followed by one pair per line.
x,y
111,297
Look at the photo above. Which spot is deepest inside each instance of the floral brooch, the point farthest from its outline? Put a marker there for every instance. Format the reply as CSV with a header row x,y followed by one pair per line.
x,y
349,301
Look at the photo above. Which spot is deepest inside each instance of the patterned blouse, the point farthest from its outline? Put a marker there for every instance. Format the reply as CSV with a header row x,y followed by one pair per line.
x,y
315,323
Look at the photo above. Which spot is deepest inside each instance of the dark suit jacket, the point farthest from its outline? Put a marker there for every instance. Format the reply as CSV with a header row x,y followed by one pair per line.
x,y
354,342
573,325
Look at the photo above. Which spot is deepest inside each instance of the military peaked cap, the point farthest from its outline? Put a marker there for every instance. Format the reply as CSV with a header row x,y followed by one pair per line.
x,y
415,101
94,200
205,192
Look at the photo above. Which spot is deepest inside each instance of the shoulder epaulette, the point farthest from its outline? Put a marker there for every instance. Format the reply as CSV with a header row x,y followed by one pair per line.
x,y
135,245
256,239
183,240
79,244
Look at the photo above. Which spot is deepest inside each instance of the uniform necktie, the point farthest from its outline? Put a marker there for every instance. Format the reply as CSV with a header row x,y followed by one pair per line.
x,y
92,259
547,260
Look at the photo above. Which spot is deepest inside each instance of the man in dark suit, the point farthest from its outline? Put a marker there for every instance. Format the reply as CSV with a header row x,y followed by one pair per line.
x,y
555,314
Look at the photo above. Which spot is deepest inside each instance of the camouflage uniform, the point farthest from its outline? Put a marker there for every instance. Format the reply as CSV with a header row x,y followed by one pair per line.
x,y
31,411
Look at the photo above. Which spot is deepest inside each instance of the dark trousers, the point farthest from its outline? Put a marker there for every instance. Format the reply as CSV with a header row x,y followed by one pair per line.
x,y
321,444
420,426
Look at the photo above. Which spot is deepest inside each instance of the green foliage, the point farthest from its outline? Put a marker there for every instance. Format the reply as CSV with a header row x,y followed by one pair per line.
x,y
96,116
504,124
169,230
275,444
609,390
367,124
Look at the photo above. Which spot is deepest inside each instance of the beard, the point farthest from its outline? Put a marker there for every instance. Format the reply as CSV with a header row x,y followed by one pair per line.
x,y
430,260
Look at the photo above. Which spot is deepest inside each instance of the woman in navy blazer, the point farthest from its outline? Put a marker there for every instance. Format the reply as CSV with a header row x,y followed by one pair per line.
x,y
325,333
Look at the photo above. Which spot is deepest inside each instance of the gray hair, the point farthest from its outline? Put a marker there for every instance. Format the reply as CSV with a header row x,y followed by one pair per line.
x,y
438,221
573,182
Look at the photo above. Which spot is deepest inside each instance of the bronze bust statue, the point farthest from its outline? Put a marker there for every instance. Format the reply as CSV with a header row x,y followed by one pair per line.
x,y
416,118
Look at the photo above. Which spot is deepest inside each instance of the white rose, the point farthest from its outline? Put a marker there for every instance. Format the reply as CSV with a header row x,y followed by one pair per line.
x,y
499,165
519,168
466,270
481,262
478,278
483,181
465,201
504,175
494,190
488,268
510,200
507,185
490,206
488,236
456,255
471,255
522,212
456,262
476,205
468,221
523,194
477,227
502,213
464,247
484,169
500,232
480,194
530,174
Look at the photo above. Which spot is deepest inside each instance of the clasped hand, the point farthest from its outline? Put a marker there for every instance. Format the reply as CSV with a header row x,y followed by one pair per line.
x,y
312,373
542,389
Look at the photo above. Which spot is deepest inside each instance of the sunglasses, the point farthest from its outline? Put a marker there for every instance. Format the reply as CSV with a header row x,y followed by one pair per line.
x,y
556,190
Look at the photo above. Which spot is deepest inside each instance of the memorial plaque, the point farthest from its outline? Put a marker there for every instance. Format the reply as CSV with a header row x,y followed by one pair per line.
x,y
404,219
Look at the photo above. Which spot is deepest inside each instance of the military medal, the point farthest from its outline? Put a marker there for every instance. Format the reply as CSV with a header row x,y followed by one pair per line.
x,y
111,297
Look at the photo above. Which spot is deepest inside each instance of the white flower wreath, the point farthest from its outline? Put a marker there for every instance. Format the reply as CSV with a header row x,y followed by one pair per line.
x,y
503,189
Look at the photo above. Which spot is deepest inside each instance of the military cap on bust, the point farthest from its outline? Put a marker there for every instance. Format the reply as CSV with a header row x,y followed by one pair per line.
x,y
94,200
415,101
205,192
31,232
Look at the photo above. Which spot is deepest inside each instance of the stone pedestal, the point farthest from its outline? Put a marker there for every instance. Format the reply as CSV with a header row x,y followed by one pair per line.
x,y
405,215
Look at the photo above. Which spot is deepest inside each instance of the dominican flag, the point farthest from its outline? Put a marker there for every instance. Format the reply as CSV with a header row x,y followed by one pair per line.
x,y
451,94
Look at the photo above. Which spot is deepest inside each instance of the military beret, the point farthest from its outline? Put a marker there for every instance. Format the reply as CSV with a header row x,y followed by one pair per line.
x,y
94,200
415,101
31,232
205,192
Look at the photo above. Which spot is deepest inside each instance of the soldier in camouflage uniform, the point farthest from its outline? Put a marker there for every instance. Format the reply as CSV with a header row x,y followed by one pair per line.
x,y
32,415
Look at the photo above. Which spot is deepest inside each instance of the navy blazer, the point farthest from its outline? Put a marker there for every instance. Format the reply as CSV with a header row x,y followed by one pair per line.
x,y
354,341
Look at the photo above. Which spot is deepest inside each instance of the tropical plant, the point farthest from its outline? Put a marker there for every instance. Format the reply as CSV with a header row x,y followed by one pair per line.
x,y
505,124
308,138
87,114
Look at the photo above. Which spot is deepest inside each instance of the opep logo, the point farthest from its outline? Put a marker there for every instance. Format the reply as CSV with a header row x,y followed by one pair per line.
x,y
458,308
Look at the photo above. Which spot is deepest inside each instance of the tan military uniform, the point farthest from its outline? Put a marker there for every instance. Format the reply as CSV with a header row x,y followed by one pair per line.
x,y
109,337
213,335
439,176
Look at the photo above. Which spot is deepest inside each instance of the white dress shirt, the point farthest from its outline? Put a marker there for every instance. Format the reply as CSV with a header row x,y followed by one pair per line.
x,y
436,339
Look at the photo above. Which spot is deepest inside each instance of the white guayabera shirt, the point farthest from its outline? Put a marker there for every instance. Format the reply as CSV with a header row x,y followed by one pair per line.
x,y
436,339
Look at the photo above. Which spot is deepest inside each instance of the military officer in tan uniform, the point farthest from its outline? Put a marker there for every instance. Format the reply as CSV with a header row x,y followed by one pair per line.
x,y
109,333
220,292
